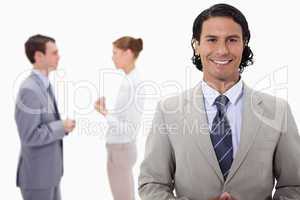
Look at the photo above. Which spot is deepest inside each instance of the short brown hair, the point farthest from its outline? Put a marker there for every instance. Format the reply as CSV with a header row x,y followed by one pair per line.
x,y
36,43
127,42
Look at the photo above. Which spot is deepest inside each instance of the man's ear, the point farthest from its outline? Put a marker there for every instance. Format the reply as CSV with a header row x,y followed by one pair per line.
x,y
246,43
196,45
38,55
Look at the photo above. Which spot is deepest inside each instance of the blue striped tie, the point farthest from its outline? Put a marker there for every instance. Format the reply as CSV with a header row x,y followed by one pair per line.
x,y
221,136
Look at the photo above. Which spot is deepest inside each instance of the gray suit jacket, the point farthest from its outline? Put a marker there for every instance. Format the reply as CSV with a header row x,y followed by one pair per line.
x,y
41,132
179,155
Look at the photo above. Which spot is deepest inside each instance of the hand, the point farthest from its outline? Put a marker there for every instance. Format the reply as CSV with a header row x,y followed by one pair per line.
x,y
69,125
100,106
224,196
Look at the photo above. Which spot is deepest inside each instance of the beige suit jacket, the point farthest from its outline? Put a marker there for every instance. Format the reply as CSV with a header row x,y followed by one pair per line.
x,y
180,162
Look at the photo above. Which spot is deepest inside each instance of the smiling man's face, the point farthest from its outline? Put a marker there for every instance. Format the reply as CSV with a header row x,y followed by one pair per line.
x,y
220,48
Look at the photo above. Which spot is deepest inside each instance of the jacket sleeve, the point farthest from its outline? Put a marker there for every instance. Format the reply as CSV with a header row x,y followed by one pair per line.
x,y
156,180
287,160
33,131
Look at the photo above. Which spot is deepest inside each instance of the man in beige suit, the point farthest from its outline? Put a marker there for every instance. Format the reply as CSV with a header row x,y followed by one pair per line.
x,y
221,139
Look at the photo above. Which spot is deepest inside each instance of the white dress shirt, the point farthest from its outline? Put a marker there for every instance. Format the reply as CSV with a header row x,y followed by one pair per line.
x,y
233,112
125,120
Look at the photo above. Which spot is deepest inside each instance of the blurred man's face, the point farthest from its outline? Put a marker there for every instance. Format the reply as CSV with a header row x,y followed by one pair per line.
x,y
50,59
220,48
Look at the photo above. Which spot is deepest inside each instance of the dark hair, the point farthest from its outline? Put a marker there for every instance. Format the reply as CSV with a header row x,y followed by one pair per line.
x,y
127,42
36,43
222,10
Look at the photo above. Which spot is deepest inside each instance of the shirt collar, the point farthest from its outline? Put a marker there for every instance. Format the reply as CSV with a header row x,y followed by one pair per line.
x,y
233,94
42,77
133,74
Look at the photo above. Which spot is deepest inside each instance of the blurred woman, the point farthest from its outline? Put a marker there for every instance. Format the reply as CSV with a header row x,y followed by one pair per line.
x,y
124,122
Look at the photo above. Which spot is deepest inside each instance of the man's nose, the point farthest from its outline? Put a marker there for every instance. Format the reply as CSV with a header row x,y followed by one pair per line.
x,y
222,48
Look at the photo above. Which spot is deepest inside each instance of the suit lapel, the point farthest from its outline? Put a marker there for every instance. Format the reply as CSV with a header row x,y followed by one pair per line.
x,y
198,127
46,98
249,128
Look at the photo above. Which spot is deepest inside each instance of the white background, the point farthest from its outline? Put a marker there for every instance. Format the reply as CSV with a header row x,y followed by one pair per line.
x,y
84,31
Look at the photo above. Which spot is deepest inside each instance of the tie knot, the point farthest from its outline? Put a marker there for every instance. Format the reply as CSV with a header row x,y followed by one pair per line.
x,y
221,101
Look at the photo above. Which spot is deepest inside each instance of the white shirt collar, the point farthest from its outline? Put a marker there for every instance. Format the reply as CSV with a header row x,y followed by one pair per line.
x,y
42,77
233,94
133,74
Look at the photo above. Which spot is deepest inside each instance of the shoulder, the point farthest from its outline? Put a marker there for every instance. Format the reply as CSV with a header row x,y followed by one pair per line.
x,y
29,86
177,102
29,83
266,97
271,104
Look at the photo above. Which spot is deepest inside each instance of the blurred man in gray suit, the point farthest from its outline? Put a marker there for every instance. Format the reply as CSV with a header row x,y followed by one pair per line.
x,y
40,127
221,140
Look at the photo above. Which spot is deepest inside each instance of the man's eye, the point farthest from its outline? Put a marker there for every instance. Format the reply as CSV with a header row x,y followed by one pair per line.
x,y
211,40
233,40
